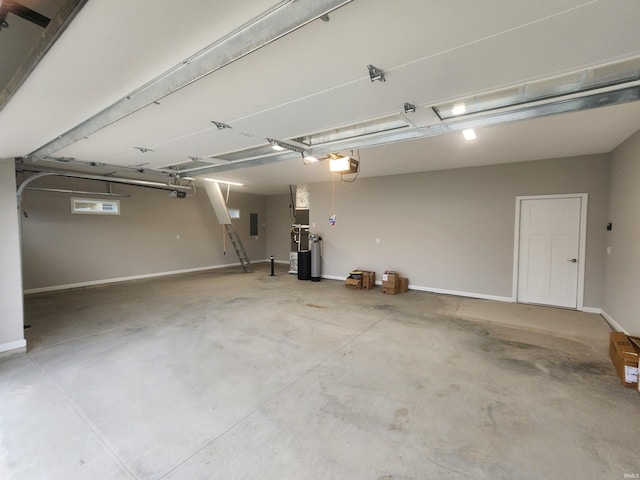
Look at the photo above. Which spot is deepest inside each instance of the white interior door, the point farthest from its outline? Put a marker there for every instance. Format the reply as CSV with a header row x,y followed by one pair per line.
x,y
550,250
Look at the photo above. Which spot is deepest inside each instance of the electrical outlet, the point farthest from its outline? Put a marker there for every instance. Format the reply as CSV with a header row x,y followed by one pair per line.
x,y
177,237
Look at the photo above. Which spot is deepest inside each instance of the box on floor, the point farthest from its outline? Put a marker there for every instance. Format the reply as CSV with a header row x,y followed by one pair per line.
x,y
363,280
393,283
636,343
624,355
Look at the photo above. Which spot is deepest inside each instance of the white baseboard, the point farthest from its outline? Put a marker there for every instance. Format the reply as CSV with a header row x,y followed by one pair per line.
x,y
458,293
13,347
334,277
592,310
615,325
126,279
439,290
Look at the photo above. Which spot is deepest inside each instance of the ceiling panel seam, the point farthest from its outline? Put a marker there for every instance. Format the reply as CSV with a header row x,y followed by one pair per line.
x,y
488,37
263,30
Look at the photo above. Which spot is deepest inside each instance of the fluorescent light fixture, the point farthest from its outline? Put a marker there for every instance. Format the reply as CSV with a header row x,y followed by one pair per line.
x,y
309,159
469,134
550,92
277,147
224,181
341,164
459,109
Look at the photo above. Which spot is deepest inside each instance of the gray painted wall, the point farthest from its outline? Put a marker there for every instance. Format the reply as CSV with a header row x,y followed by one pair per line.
x,y
11,311
64,249
453,230
279,223
622,287
449,230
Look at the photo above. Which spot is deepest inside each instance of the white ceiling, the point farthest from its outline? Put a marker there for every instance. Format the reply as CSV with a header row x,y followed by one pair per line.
x,y
316,79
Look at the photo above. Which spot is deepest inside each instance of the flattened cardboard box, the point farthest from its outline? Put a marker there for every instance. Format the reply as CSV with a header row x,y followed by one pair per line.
x,y
624,356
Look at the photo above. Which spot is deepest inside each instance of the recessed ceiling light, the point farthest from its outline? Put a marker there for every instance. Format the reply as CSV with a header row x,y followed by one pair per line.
x,y
469,134
459,109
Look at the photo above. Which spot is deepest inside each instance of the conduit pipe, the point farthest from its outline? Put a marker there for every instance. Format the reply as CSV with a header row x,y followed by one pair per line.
x,y
100,178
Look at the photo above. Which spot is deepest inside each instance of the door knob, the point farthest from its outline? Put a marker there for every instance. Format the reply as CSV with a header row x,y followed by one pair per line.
x,y
572,260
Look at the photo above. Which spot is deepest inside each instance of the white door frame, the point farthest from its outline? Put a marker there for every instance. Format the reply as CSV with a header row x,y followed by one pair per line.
x,y
583,242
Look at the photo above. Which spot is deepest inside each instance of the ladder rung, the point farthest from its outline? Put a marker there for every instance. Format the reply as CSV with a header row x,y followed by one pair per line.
x,y
239,248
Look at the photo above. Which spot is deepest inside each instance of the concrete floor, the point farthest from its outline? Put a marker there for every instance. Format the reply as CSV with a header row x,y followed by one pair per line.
x,y
225,375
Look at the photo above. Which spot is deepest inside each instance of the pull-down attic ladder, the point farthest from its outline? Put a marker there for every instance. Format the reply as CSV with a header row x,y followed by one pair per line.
x,y
220,208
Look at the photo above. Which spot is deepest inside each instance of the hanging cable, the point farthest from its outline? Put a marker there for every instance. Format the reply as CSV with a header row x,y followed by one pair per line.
x,y
332,217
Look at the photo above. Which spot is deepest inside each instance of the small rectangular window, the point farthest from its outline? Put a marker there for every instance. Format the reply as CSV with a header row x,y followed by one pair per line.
x,y
92,206
234,213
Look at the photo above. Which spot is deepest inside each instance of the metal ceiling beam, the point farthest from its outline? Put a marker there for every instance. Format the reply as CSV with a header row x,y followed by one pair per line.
x,y
572,103
58,24
275,23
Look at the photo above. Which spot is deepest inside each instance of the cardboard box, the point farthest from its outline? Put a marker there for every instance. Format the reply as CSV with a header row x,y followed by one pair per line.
x,y
624,356
353,283
636,343
393,283
364,280
390,279
391,286
368,280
